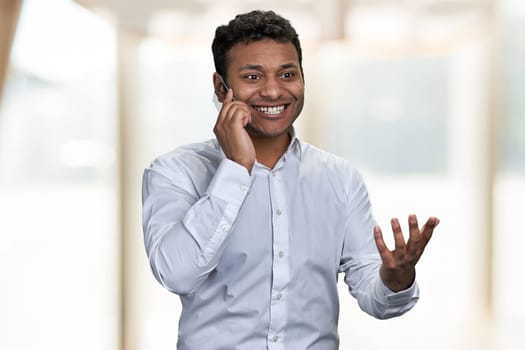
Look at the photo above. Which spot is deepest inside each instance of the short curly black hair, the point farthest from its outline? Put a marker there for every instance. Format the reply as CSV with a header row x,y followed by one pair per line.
x,y
252,26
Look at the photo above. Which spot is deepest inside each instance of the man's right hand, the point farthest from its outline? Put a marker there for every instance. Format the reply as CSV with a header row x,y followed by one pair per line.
x,y
231,133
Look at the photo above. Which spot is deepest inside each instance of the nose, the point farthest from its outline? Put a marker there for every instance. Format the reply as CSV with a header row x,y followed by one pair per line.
x,y
271,89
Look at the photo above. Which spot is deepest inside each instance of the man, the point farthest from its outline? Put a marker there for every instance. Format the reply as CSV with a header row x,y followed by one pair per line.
x,y
251,229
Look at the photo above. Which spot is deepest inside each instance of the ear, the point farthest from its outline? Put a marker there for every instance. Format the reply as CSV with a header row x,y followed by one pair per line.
x,y
220,90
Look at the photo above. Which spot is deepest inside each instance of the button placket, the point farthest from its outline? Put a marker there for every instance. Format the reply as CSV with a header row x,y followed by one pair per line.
x,y
280,266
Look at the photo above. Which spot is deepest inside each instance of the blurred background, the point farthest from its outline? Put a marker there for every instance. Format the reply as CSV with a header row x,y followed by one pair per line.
x,y
426,97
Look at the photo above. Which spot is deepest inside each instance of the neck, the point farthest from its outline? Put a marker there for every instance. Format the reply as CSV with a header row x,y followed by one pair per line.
x,y
269,150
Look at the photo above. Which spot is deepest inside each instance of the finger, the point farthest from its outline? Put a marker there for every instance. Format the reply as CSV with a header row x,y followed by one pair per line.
x,y
384,252
228,99
428,227
413,228
223,113
229,111
399,240
240,113
416,242
229,96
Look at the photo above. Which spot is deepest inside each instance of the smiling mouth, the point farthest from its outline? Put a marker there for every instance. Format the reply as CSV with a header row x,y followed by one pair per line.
x,y
274,110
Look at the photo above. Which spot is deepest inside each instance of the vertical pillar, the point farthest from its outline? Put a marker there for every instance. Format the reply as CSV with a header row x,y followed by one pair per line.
x,y
331,15
493,143
474,160
332,19
129,180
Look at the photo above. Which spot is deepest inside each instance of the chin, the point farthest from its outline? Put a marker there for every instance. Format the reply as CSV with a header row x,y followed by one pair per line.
x,y
269,133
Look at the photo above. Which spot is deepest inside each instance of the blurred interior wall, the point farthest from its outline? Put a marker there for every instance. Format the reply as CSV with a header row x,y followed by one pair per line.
x,y
148,313
9,11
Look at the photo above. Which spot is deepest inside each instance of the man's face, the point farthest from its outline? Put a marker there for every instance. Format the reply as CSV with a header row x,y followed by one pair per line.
x,y
266,75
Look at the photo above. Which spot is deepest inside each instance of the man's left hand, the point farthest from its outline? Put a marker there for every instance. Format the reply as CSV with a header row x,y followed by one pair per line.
x,y
398,270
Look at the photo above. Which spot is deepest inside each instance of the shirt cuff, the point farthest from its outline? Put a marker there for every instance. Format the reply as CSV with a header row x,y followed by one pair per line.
x,y
396,298
230,183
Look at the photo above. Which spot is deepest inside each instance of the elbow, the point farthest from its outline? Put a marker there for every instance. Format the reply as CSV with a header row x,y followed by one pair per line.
x,y
178,283
178,278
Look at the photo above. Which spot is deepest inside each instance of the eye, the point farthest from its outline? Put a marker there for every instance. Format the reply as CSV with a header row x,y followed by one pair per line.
x,y
252,77
288,75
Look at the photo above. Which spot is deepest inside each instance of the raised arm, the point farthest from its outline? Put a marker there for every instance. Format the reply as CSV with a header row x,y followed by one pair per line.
x,y
185,226
382,281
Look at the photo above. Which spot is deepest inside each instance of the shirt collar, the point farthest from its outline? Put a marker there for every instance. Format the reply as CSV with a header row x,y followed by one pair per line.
x,y
295,143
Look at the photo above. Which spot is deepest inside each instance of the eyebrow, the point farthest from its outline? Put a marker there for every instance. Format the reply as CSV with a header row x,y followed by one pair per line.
x,y
260,67
289,65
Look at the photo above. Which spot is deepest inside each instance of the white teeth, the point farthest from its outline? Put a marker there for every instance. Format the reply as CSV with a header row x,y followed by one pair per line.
x,y
270,110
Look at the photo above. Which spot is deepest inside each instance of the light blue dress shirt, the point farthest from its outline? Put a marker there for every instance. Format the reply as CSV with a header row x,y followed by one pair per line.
x,y
255,258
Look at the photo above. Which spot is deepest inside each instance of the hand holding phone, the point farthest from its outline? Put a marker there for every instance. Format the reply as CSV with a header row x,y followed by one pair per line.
x,y
230,130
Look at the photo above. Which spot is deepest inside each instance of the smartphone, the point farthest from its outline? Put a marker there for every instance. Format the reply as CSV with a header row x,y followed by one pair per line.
x,y
226,88
223,83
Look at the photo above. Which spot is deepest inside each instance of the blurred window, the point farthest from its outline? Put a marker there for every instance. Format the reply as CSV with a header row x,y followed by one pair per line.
x,y
58,257
388,116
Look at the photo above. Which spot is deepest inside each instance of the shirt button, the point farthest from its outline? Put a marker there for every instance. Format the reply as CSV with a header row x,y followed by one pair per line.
x,y
224,227
244,188
278,211
275,338
279,296
281,254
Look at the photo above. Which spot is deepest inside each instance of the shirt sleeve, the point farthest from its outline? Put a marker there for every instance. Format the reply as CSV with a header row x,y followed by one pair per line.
x,y
183,233
361,261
